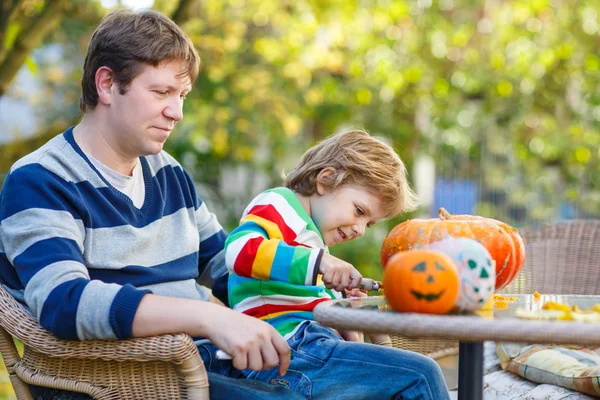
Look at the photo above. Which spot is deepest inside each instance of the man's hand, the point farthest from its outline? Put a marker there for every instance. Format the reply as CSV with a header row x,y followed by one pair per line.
x,y
338,274
352,336
250,342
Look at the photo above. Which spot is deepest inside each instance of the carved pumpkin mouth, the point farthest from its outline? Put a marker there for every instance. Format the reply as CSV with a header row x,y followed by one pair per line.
x,y
427,296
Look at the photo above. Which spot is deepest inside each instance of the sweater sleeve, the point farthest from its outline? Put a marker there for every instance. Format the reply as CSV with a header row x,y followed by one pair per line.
x,y
42,228
263,246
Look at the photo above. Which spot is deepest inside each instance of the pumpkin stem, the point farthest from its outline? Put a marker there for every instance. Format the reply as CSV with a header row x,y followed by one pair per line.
x,y
443,214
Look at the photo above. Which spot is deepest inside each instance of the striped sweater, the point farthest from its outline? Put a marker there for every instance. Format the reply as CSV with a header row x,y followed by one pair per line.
x,y
273,260
82,256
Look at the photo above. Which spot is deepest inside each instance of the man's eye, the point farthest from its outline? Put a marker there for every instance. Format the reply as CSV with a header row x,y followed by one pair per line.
x,y
160,92
359,211
183,97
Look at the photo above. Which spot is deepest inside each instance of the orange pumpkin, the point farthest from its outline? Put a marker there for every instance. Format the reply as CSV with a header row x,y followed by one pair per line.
x,y
423,281
502,240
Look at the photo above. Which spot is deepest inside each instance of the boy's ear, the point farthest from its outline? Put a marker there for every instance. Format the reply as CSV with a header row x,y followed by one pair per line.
x,y
324,179
104,84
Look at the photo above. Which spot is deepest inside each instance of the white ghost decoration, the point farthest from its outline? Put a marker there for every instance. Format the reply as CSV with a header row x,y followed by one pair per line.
x,y
476,270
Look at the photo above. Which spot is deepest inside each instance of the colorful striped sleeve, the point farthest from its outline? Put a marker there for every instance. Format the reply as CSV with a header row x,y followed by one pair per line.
x,y
264,247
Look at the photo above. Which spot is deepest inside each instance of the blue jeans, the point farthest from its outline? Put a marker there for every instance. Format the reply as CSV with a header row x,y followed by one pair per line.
x,y
228,383
221,388
324,366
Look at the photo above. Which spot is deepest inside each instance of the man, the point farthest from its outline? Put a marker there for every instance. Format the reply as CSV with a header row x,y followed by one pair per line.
x,y
102,234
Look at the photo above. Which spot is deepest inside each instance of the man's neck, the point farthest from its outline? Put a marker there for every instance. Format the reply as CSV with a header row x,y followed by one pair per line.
x,y
92,137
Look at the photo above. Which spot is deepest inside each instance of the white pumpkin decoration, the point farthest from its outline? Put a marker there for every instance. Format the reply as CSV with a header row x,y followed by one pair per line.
x,y
476,270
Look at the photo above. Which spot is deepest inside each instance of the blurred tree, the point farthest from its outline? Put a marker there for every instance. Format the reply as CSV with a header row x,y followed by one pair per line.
x,y
23,26
503,93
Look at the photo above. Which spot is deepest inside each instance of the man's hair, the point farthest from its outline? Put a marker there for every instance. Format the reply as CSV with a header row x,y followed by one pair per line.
x,y
358,159
126,41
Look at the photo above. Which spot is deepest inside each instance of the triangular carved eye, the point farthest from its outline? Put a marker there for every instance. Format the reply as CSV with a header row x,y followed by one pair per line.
x,y
439,266
420,267
472,264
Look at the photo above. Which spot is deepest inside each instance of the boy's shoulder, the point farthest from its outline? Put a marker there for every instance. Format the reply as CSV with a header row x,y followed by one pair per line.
x,y
286,193
281,204
277,197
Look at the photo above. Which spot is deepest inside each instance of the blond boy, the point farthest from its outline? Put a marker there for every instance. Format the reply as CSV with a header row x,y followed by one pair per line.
x,y
341,187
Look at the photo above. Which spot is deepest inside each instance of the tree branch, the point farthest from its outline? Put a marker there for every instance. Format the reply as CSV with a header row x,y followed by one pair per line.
x,y
29,37
8,10
183,12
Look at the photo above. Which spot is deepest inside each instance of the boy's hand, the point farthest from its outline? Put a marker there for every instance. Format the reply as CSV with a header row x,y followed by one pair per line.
x,y
338,274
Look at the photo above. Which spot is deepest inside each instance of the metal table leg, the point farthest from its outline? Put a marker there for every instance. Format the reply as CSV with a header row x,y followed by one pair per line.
x,y
470,371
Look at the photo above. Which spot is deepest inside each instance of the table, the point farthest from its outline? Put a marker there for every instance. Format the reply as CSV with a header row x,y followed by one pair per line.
x,y
371,314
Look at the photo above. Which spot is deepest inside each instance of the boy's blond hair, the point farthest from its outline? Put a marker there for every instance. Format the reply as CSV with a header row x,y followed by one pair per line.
x,y
359,159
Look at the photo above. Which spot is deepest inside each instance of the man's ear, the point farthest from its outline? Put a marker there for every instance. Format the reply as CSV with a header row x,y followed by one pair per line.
x,y
105,85
324,178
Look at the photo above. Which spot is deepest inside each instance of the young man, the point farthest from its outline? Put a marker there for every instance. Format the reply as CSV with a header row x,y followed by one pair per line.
x,y
102,233
340,187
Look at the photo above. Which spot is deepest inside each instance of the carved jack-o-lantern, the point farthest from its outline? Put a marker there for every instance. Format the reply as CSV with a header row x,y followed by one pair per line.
x,y
422,281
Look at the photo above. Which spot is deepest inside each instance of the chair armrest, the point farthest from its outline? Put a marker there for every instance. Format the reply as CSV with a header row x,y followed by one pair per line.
x,y
23,326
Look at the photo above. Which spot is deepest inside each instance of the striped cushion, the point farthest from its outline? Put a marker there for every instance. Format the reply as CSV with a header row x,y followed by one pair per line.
x,y
572,367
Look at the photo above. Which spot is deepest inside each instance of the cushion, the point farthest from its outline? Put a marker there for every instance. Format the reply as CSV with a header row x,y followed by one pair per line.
x,y
503,385
572,367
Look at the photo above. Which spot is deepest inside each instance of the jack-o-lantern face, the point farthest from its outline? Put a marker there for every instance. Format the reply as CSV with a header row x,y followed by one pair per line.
x,y
429,280
421,281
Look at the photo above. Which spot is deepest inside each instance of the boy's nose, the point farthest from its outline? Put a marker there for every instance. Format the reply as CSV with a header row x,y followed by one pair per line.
x,y
358,230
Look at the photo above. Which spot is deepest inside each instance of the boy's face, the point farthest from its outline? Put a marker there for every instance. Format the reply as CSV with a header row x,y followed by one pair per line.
x,y
142,119
344,213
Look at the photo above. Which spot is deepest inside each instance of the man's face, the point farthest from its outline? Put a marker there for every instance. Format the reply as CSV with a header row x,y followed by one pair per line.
x,y
141,120
344,213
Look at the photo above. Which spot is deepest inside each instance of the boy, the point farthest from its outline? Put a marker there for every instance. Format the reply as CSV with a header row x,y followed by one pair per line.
x,y
102,233
341,186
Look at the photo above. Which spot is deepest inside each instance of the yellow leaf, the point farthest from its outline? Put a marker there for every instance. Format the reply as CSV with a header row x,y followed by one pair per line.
x,y
31,65
220,142
504,88
364,96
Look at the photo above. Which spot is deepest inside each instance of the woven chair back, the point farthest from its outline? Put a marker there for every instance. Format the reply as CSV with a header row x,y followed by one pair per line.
x,y
561,258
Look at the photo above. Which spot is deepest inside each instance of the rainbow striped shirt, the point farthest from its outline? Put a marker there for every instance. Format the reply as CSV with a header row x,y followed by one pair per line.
x,y
273,259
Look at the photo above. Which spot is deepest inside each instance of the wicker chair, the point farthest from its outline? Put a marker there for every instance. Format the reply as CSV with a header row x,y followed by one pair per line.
x,y
161,367
561,258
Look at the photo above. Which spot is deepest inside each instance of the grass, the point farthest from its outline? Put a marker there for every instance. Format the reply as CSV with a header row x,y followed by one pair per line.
x,y
6,390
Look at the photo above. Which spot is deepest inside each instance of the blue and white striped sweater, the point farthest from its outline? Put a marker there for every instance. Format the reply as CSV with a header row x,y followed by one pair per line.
x,y
82,256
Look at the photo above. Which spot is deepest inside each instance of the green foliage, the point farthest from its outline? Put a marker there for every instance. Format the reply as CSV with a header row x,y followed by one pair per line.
x,y
500,92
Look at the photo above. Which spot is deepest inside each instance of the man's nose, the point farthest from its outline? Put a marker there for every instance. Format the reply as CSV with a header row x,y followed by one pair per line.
x,y
174,110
